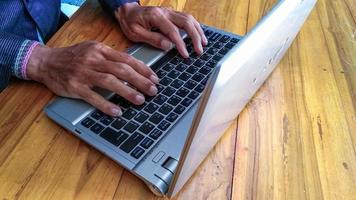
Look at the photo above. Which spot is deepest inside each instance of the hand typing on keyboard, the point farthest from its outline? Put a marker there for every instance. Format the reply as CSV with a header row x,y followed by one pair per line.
x,y
137,22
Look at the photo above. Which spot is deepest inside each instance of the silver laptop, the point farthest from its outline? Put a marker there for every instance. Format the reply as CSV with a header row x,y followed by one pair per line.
x,y
164,141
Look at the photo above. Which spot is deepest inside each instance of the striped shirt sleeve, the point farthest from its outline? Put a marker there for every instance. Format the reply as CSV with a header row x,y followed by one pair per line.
x,y
15,52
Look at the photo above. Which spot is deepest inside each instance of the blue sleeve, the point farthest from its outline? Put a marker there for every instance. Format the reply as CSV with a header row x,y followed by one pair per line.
x,y
13,52
112,5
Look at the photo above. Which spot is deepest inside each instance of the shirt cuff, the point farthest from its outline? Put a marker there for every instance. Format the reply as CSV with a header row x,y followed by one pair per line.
x,y
23,55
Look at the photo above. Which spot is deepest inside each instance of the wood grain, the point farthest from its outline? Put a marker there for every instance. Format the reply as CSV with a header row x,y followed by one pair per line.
x,y
295,140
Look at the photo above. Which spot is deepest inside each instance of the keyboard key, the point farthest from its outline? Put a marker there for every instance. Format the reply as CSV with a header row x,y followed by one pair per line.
x,y
155,134
174,100
146,128
177,83
166,81
139,107
188,61
234,40
172,117
129,114
184,76
199,63
205,57
118,123
161,73
97,128
168,67
224,51
204,81
165,109
193,95
116,99
199,88
230,45
192,69
160,88
205,70
169,91
194,55
131,127
156,118
151,108
179,109
87,122
217,57
106,120
182,92
137,152
198,77
176,60
181,67
208,32
115,138
164,125
131,142
225,38
211,63
215,36
146,143
190,84
212,51
160,99
173,74
218,45
141,117
186,102
97,115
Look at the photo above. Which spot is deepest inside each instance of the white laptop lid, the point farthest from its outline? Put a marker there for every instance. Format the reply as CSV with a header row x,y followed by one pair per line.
x,y
241,74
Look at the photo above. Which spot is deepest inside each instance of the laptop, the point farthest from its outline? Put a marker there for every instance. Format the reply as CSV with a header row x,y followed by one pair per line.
x,y
164,140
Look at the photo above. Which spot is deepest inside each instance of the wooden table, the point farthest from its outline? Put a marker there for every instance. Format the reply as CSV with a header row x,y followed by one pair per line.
x,y
295,140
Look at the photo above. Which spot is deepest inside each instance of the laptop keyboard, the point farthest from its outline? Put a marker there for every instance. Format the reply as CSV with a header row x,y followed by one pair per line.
x,y
182,82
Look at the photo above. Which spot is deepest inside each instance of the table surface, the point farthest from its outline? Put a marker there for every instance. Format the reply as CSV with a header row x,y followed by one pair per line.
x,y
295,139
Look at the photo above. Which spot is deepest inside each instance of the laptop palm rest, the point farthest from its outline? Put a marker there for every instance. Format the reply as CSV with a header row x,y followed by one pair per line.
x,y
157,168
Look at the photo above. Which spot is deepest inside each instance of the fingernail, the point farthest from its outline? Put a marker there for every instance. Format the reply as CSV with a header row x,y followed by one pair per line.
x,y
166,45
154,79
185,53
153,90
116,111
140,99
200,48
205,41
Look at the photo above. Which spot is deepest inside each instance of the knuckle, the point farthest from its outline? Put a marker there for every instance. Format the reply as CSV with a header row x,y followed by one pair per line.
x,y
109,78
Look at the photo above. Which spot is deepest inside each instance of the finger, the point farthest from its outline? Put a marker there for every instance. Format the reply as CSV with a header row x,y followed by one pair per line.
x,y
99,102
138,65
201,32
155,39
126,73
187,23
111,83
171,31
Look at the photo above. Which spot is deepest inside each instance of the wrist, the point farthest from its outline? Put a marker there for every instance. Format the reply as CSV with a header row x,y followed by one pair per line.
x,y
37,63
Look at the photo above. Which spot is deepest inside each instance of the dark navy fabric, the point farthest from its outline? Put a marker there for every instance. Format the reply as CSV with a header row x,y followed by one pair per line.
x,y
19,21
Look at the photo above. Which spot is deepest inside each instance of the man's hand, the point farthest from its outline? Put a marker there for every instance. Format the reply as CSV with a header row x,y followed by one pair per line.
x,y
74,71
137,22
